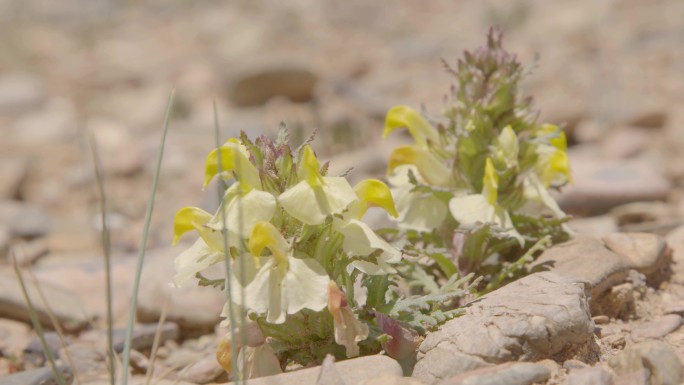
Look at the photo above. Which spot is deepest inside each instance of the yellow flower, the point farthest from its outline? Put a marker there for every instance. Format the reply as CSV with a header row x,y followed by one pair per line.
x,y
483,207
419,128
429,167
234,163
315,197
281,283
507,147
349,331
553,166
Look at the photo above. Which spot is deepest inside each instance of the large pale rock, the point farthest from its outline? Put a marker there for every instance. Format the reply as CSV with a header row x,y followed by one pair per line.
x,y
195,309
601,184
40,376
20,92
585,259
540,316
589,376
655,358
645,253
64,304
520,373
353,372
254,86
24,220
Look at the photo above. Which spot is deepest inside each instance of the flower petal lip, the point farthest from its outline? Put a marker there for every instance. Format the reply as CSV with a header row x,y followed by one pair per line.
x,y
312,205
429,167
308,168
232,158
265,236
419,128
373,192
188,219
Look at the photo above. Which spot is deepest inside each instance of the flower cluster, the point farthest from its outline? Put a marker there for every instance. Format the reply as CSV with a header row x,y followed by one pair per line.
x,y
480,177
293,236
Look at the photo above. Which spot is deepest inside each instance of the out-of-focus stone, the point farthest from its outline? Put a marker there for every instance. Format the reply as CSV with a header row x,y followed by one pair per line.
x,y
12,174
87,358
516,322
65,305
53,123
143,336
589,376
14,337
353,372
595,226
40,376
24,220
584,259
35,353
195,309
645,253
660,363
657,328
387,379
519,373
601,184
19,93
27,253
675,240
113,140
625,143
203,371
254,86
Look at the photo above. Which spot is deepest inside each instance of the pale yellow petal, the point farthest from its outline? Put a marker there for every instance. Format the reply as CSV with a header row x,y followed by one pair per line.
x,y
233,159
418,211
311,205
373,192
429,167
407,117
193,260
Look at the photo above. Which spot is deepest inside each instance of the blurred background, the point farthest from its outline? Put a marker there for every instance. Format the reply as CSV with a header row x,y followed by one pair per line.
x,y
612,72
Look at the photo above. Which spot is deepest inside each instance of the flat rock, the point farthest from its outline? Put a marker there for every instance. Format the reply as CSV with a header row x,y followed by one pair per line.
x,y
675,239
589,376
65,305
391,380
601,184
596,226
14,337
645,253
519,373
626,142
203,371
657,328
40,376
12,174
658,361
585,259
539,316
353,372
20,92
87,358
195,309
24,220
255,86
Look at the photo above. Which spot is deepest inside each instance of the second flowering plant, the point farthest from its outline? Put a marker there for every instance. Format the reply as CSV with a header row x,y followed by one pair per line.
x,y
308,274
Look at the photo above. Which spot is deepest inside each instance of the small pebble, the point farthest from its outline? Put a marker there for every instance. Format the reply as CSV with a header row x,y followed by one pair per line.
x,y
659,327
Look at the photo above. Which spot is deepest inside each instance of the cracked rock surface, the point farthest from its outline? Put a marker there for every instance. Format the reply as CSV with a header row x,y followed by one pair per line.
x,y
539,316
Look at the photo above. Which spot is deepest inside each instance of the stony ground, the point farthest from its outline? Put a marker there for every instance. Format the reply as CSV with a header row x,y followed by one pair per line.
x,y
609,310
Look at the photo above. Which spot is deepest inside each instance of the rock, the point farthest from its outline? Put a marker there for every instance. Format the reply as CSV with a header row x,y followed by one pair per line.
x,y
24,220
354,372
674,308
601,184
255,86
5,238
142,338
204,371
40,376
392,380
656,358
675,239
645,253
585,259
12,173
65,305
601,319
615,341
195,309
53,123
589,376
625,143
329,374
589,131
86,358
516,322
659,327
14,337
20,93
653,117
596,226
113,139
574,364
35,353
27,253
519,373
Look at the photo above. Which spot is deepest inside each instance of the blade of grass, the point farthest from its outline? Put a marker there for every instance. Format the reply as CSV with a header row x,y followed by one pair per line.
x,y
155,342
143,244
36,323
106,251
226,252
55,324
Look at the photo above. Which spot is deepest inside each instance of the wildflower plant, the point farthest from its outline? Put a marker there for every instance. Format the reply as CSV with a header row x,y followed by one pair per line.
x,y
472,191
309,275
